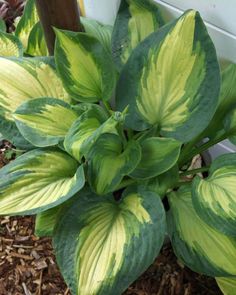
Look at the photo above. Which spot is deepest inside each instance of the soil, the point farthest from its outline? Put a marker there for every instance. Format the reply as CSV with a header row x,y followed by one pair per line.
x,y
28,266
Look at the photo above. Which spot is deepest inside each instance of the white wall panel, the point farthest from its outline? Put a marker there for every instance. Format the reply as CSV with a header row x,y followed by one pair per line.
x,y
224,41
217,12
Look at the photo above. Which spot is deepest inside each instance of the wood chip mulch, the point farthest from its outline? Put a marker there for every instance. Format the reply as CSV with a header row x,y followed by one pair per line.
x,y
28,267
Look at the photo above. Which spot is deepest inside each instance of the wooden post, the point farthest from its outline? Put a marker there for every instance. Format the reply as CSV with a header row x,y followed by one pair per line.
x,y
62,14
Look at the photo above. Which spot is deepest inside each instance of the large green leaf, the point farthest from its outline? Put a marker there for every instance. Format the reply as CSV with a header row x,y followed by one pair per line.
x,y
44,121
110,161
230,124
228,88
158,156
136,20
27,22
86,129
227,285
99,31
103,246
37,44
85,67
164,182
37,181
199,246
24,79
214,198
172,80
10,45
227,99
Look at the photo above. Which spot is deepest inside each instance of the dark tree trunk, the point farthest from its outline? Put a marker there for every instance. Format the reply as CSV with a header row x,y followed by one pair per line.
x,y
62,14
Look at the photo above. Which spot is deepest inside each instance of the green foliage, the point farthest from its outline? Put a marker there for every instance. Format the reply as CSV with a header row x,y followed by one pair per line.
x,y
97,175
2,25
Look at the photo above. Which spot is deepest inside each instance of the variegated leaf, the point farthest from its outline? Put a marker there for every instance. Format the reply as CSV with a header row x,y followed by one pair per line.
x,y
214,198
37,181
99,31
102,246
158,156
44,121
10,45
136,20
172,80
27,22
227,285
85,67
24,79
110,161
36,44
201,247
86,129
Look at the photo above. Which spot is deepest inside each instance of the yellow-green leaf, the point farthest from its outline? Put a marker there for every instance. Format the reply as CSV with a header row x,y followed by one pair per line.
x,y
110,161
99,31
10,45
87,128
227,285
44,121
37,181
24,79
136,20
201,247
102,246
37,44
158,155
214,198
172,80
86,69
27,21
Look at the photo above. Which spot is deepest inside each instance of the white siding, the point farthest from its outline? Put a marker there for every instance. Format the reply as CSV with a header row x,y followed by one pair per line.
x,y
220,23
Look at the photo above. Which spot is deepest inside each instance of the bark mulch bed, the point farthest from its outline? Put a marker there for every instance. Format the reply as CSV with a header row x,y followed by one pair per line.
x,y
28,267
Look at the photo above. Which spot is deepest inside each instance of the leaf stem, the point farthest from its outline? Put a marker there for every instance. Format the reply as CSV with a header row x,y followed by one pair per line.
x,y
125,183
130,133
195,171
107,107
188,156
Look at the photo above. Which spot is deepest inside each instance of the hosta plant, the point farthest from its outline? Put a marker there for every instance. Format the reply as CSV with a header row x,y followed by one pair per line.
x,y
109,126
